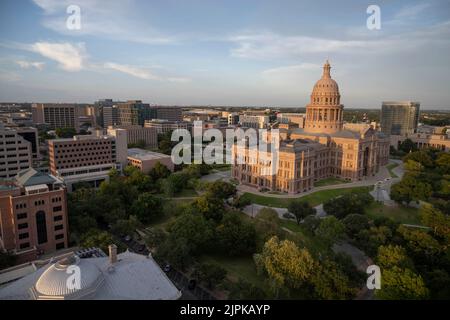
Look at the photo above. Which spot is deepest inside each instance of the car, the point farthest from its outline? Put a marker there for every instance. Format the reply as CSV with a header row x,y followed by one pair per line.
x,y
167,268
127,238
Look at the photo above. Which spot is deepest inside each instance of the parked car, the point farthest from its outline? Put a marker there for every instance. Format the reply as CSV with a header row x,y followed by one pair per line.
x,y
192,284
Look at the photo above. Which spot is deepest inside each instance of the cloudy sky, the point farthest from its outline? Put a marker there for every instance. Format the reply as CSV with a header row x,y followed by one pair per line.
x,y
224,52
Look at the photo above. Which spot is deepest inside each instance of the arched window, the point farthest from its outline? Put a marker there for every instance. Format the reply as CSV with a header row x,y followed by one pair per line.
x,y
41,227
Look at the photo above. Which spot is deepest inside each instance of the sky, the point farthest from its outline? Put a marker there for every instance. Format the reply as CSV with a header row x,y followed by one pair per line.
x,y
224,52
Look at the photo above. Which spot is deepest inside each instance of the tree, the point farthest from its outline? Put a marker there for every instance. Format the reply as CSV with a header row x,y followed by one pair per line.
x,y
210,273
407,146
420,243
155,236
136,178
443,162
436,220
159,171
353,203
354,223
7,260
175,183
267,225
97,238
236,236
221,189
409,188
330,282
147,207
300,209
311,223
177,251
65,132
286,264
194,229
244,290
422,157
398,279
330,230
209,206
126,227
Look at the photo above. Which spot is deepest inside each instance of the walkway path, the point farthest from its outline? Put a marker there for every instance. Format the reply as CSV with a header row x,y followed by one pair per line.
x,y
361,262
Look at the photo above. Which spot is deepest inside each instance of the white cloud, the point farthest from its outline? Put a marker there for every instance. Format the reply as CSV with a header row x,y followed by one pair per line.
x,y
112,19
270,45
30,64
143,73
131,70
70,57
412,11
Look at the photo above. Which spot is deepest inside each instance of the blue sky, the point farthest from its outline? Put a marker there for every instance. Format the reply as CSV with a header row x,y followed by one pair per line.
x,y
224,52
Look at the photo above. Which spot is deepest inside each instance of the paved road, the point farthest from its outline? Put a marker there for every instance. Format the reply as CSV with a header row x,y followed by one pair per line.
x,y
253,209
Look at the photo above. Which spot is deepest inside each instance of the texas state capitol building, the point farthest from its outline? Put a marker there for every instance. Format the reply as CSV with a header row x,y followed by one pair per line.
x,y
325,147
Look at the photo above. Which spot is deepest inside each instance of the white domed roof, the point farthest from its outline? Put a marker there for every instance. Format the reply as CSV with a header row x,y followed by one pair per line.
x,y
53,282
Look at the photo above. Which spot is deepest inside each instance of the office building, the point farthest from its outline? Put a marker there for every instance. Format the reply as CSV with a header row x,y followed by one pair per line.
x,y
16,152
138,134
399,117
87,159
33,215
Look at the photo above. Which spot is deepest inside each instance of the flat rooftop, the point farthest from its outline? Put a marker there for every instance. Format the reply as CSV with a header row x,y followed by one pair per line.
x,y
142,154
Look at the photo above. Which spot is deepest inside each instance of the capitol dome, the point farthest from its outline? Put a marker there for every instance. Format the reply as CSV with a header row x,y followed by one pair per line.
x,y
53,283
324,112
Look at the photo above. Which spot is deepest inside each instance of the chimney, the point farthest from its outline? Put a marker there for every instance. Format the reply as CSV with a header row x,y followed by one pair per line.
x,y
112,253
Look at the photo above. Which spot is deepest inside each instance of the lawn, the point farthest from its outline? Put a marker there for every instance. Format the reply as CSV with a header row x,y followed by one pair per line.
x,y
390,167
329,182
237,267
314,199
399,214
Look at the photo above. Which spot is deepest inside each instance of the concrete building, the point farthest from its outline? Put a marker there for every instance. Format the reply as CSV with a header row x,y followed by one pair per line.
x,y
436,140
123,276
164,126
145,160
233,118
254,121
137,134
399,117
16,152
33,215
88,158
296,118
56,115
322,149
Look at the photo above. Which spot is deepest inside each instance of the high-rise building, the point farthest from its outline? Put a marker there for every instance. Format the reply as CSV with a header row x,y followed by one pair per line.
x,y
134,112
15,152
170,113
399,117
254,121
56,115
33,215
87,158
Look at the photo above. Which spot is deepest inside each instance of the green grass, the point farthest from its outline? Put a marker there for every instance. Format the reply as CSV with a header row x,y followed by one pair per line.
x,y
237,267
329,182
399,214
186,193
390,168
314,199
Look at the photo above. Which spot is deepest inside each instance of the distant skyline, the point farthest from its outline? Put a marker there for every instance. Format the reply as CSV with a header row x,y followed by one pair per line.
x,y
237,53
